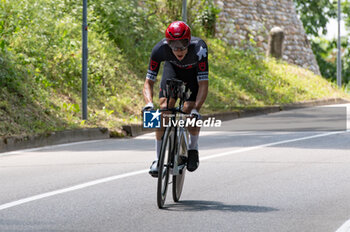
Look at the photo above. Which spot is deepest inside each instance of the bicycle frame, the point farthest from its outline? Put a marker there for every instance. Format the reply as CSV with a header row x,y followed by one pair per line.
x,y
176,89
178,131
174,142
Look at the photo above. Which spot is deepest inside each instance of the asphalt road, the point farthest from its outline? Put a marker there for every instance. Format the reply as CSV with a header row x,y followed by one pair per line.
x,y
251,178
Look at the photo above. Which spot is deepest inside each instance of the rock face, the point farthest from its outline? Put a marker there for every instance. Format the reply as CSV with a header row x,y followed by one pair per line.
x,y
241,21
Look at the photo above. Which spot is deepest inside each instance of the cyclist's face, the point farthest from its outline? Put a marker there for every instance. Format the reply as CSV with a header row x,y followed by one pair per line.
x,y
180,54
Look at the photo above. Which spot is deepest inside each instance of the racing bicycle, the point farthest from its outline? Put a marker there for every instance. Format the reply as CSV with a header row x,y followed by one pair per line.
x,y
173,152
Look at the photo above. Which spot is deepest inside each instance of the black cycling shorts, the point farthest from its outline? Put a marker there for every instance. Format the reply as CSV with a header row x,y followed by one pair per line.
x,y
188,76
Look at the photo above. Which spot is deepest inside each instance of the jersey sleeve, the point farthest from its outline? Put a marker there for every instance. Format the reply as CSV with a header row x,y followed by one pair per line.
x,y
155,60
203,67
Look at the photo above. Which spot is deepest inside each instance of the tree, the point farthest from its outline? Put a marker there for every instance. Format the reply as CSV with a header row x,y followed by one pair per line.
x,y
315,15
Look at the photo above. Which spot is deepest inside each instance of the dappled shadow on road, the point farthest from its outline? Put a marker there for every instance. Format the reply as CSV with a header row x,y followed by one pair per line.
x,y
216,206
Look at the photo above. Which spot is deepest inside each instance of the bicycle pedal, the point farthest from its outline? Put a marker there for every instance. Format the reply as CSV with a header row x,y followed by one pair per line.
x,y
183,159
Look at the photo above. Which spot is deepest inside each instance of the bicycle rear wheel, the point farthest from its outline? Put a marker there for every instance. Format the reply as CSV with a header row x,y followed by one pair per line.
x,y
178,180
164,167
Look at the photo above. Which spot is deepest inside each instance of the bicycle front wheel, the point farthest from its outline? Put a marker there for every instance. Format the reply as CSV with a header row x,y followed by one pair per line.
x,y
178,180
164,167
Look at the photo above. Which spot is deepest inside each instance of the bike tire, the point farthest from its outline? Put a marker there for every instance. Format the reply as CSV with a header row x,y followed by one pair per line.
x,y
178,180
164,168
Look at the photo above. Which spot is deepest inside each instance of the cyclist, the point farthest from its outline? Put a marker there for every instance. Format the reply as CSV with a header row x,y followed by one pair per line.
x,y
185,58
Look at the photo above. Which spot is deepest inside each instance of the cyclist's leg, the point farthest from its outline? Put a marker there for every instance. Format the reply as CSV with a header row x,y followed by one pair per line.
x,y
190,77
194,131
163,105
168,72
159,133
192,85
193,155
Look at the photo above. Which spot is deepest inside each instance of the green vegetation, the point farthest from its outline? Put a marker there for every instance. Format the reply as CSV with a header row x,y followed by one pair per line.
x,y
315,15
242,79
40,66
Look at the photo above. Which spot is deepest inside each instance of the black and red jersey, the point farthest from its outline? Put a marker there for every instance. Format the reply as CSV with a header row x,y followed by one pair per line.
x,y
196,58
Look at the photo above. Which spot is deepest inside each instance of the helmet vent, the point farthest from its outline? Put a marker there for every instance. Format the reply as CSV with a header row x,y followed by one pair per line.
x,y
177,35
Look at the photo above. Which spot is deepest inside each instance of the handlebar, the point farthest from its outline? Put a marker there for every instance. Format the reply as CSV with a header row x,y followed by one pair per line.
x,y
173,110
174,89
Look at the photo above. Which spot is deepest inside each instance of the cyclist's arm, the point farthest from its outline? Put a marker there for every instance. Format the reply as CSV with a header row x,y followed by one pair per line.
x,y
202,94
148,91
203,74
157,56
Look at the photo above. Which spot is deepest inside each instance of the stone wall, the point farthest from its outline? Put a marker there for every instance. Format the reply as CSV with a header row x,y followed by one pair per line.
x,y
240,20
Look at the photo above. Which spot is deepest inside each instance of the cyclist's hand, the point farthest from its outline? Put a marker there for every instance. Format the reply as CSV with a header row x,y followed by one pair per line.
x,y
195,114
148,107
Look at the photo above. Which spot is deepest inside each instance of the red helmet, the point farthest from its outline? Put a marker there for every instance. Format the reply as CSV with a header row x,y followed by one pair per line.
x,y
178,30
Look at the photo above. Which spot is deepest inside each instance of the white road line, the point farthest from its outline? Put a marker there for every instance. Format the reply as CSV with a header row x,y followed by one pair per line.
x,y
48,147
70,189
345,227
112,178
272,144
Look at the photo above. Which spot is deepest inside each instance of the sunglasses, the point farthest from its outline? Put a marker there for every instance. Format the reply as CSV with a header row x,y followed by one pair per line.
x,y
178,45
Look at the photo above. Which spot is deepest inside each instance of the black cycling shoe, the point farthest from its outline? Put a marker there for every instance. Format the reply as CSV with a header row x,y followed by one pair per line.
x,y
192,160
154,169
